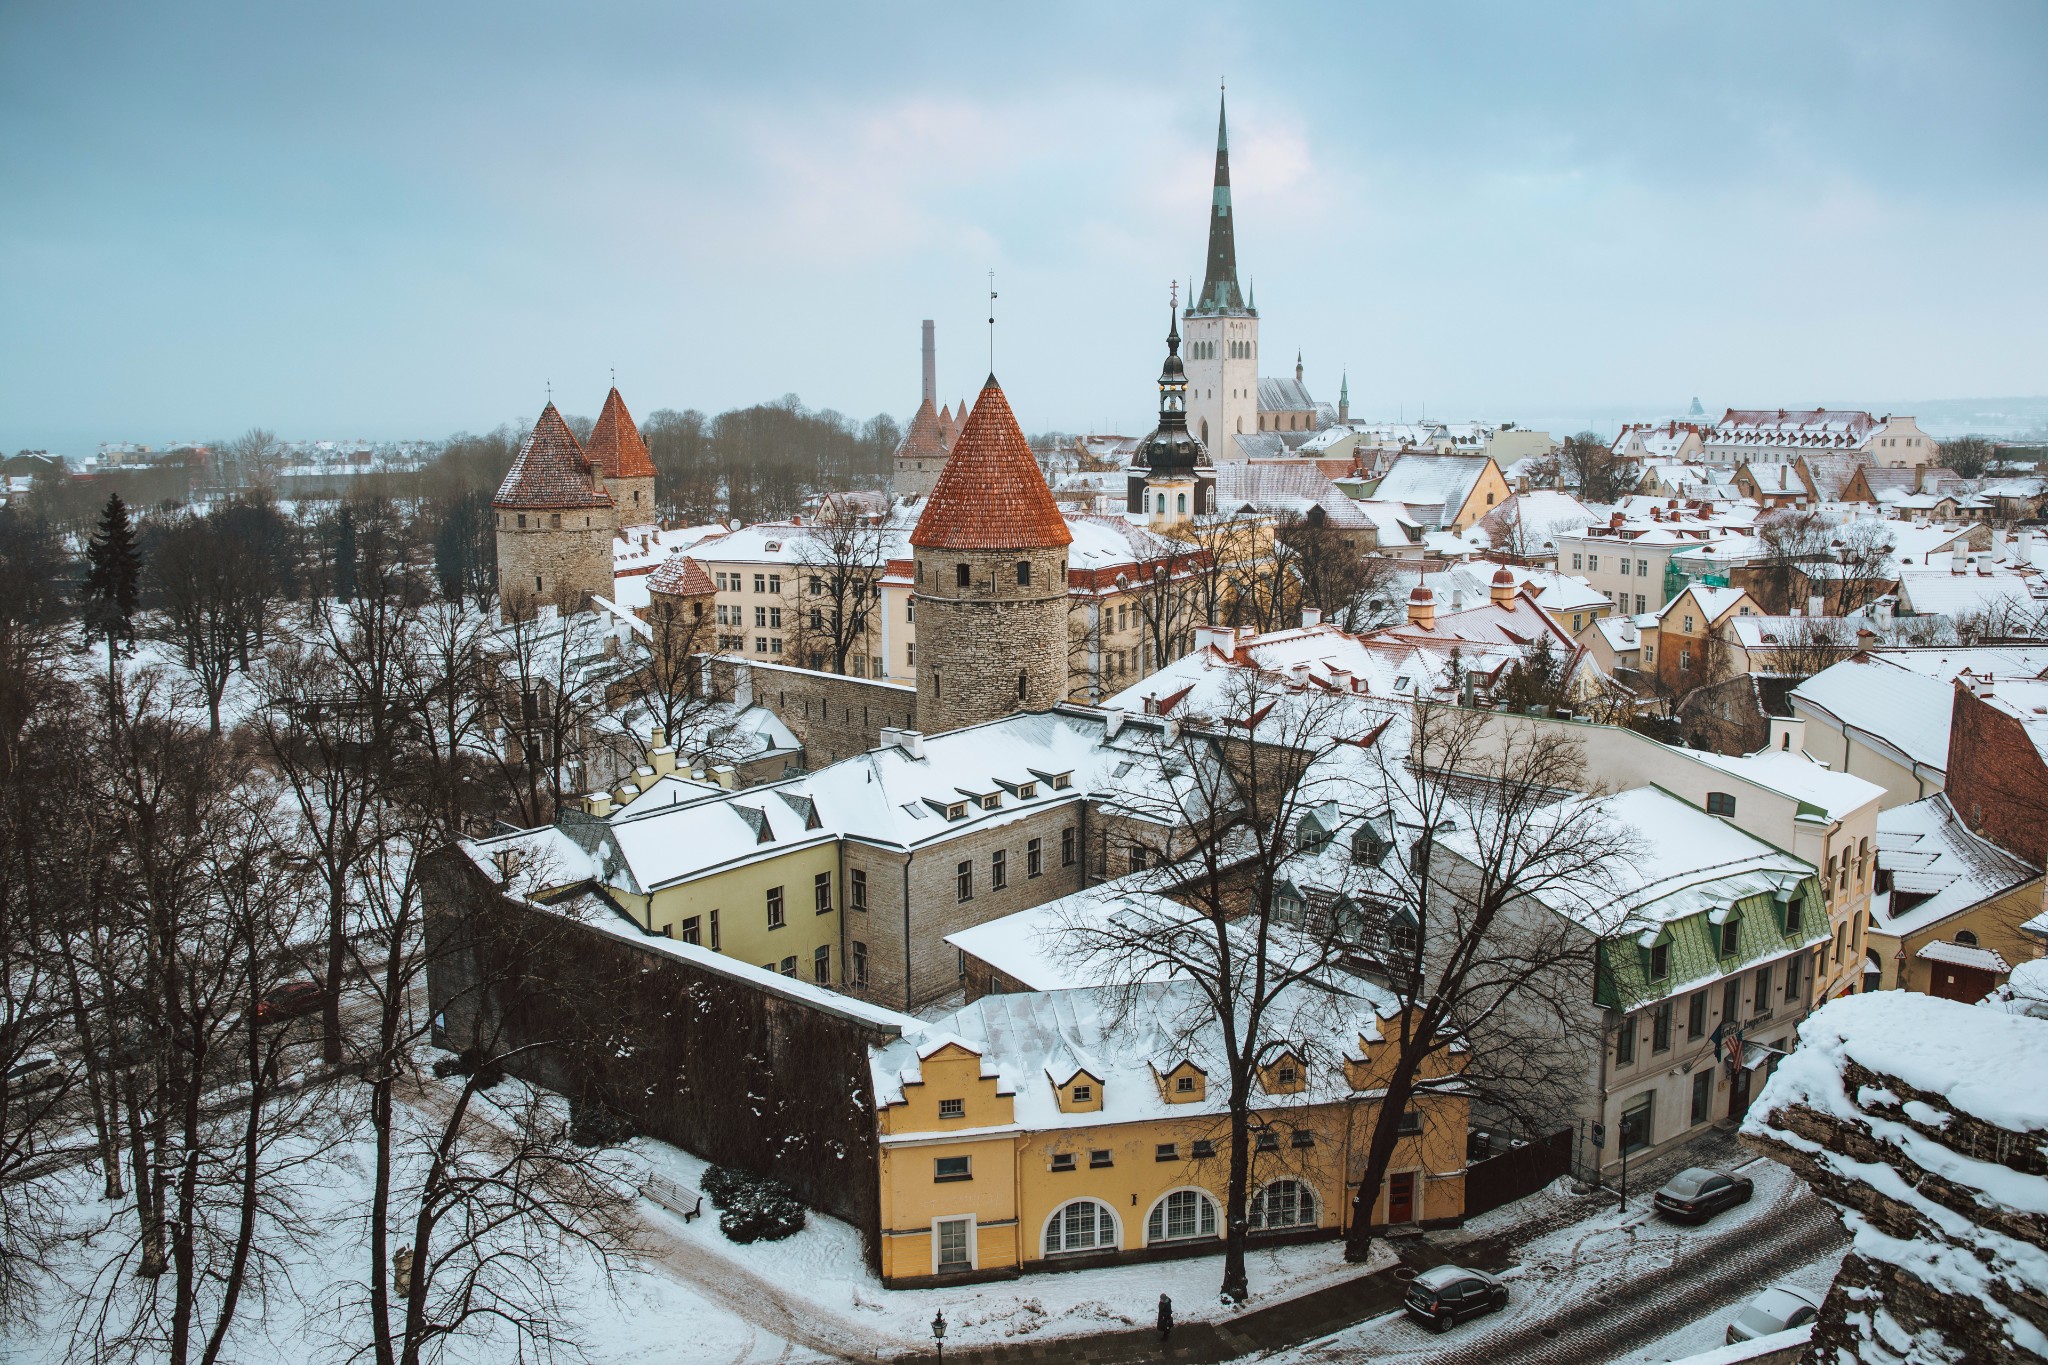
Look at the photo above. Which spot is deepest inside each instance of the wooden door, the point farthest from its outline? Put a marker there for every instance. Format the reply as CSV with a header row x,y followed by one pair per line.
x,y
1738,1093
1967,984
1401,1198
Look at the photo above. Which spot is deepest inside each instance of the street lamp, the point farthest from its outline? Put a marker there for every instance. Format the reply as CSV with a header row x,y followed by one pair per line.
x,y
939,1333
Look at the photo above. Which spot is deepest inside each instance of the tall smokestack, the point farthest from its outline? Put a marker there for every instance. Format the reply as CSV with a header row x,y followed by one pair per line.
x,y
931,365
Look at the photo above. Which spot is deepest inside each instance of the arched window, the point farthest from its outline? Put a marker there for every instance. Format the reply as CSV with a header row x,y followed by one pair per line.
x,y
1181,501
1161,507
1082,1225
1023,573
1284,1204
1181,1216
1966,938
1205,431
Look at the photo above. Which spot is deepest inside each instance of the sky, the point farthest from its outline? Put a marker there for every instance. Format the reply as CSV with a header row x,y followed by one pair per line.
x,y
408,220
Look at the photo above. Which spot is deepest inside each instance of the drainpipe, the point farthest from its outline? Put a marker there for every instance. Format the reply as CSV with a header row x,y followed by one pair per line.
x,y
906,930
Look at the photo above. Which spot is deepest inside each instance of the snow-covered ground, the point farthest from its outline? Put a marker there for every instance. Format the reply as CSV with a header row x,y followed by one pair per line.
x,y
825,1260
1712,1330
1570,1267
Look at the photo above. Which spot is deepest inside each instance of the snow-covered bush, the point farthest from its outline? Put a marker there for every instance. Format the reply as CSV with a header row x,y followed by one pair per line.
x,y
755,1208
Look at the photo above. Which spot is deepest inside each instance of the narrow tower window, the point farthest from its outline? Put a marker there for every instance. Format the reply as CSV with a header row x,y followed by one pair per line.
x,y
1023,573
961,576
1020,685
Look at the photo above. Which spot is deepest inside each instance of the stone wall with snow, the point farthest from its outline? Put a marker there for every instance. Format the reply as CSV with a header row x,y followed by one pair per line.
x,y
1925,1123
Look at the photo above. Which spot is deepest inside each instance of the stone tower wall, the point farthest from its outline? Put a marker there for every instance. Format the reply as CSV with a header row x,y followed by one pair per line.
x,y
973,642
916,477
570,563
634,500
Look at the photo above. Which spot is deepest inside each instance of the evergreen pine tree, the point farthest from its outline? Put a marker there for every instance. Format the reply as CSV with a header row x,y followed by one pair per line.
x,y
345,555
113,572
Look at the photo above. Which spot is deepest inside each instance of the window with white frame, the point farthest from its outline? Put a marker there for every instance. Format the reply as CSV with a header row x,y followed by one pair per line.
x,y
953,1244
1181,1216
1283,1204
1080,1225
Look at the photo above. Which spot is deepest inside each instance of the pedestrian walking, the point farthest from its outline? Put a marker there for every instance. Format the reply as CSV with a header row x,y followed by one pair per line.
x,y
1165,1319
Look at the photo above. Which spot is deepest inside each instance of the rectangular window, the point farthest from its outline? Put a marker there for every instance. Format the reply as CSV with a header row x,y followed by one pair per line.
x,y
1625,1043
1593,563
775,583
821,966
1635,1124
789,965
1137,857
1731,936
1696,1015
760,618
1578,560
1642,568
821,892
1034,858
1760,1002
1100,1157
1066,848
1268,1141
859,889
954,1251
950,1168
692,929
1084,1094
1660,962
860,964
1303,1138
775,618
1660,1028
775,645
960,959
1702,1095
998,870
952,1109
1166,1151
714,931
1203,1149
1641,604
760,582
1792,979
1720,803
774,907
1731,999
1063,1161
963,881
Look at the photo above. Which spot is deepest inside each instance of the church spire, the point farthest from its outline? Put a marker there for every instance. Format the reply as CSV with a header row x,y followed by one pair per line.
x,y
1220,293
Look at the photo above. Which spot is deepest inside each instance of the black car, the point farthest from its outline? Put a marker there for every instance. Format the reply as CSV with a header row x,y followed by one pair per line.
x,y
1446,1295
1697,1194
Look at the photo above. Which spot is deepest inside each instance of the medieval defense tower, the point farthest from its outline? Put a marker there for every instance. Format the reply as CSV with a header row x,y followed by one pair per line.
x,y
561,504
991,562
922,452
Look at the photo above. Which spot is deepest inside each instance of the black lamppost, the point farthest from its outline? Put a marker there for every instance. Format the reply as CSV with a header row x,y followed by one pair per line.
x,y
939,1333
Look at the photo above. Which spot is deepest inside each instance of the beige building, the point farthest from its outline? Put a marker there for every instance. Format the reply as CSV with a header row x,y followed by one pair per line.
x,y
1758,435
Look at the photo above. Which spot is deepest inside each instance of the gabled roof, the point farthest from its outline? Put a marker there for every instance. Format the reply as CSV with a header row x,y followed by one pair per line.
x,y
615,445
1938,866
550,471
681,576
1426,479
991,495
1284,394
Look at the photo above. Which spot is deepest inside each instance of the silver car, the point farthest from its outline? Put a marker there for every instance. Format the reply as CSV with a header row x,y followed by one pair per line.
x,y
1778,1309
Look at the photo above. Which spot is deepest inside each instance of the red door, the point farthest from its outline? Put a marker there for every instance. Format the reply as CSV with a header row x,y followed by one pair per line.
x,y
1967,984
1401,1198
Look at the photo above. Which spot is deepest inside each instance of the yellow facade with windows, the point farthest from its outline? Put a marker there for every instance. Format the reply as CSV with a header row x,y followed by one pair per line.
x,y
980,1178
767,912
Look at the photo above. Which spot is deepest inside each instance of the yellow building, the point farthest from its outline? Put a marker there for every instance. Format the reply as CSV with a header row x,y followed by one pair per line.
x,y
1044,1129
1948,921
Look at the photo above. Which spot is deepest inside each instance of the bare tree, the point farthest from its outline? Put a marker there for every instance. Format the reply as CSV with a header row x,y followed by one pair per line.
x,y
1967,455
550,675
1487,825
1213,831
251,460
1334,574
1590,464
835,590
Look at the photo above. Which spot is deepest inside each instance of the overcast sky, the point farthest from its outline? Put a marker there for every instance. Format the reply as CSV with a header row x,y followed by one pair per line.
x,y
406,220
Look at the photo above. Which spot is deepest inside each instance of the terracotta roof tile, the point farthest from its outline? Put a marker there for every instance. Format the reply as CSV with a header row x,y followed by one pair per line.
x,y
615,445
550,470
681,576
926,438
991,495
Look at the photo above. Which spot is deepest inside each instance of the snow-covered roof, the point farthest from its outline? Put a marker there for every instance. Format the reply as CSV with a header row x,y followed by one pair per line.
x,y
2025,701
783,542
1938,866
1897,706
1836,795
1284,395
1128,1040
1713,602
1962,955
1025,947
1443,482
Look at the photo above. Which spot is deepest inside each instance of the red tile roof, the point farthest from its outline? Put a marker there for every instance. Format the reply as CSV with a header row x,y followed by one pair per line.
x,y
991,495
926,438
615,445
551,470
681,576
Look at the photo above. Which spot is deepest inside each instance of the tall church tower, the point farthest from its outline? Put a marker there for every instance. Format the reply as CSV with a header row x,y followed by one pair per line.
x,y
1171,478
1222,330
991,562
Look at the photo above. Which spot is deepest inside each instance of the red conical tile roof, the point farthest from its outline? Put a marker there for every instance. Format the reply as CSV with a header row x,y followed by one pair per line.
x,y
991,495
926,438
615,445
681,576
551,470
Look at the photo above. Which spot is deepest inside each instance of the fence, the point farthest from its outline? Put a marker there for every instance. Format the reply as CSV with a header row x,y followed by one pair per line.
x,y
1516,1172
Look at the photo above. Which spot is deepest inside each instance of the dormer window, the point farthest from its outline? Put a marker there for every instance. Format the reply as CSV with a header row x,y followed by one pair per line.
x,y
956,811
1026,790
1084,1094
1184,1085
1285,1074
1061,781
993,801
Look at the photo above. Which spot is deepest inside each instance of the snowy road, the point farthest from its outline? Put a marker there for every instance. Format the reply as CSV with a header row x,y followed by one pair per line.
x,y
1606,1289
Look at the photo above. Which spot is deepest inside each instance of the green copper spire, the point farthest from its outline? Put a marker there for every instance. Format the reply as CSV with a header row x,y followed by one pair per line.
x,y
1220,293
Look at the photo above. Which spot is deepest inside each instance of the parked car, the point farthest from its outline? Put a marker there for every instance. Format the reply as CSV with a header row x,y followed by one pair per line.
x,y
1446,1295
289,1001
35,1071
1697,1194
1778,1309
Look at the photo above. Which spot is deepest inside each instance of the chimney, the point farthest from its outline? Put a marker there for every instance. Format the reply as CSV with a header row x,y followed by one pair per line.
x,y
598,804
726,776
1422,608
1816,605
1222,639
1614,520
1112,721
1502,590
910,742
1311,616
931,365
